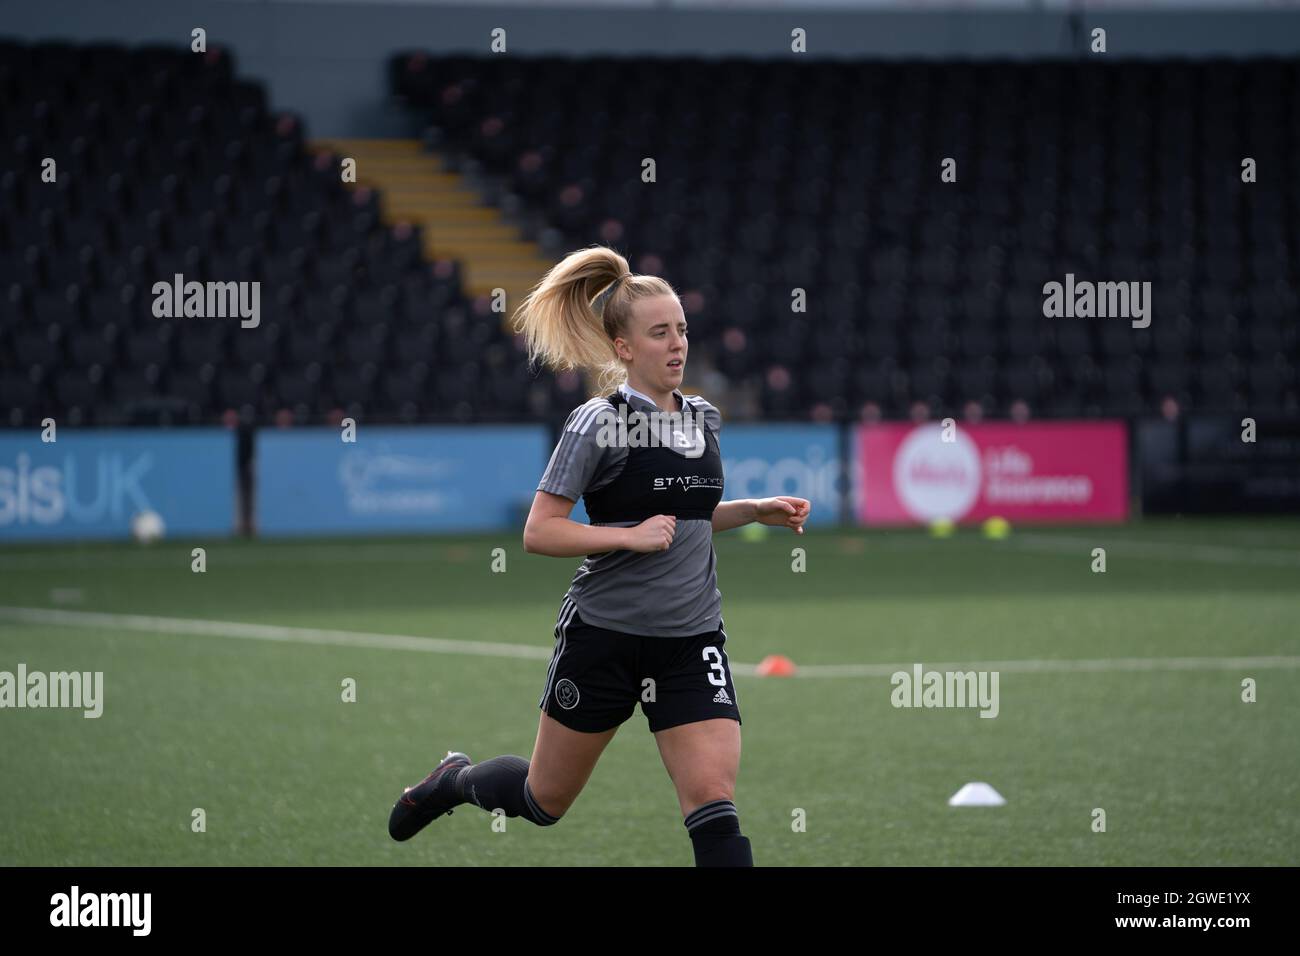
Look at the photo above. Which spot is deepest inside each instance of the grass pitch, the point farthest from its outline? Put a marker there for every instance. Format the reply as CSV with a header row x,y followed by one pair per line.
x,y
249,723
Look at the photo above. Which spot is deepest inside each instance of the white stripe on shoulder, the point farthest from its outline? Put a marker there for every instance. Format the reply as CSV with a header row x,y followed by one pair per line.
x,y
704,407
587,414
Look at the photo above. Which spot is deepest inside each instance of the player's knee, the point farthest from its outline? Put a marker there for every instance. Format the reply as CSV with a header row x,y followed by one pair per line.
x,y
697,795
552,802
556,806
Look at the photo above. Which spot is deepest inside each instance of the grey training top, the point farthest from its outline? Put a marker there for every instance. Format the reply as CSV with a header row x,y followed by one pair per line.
x,y
672,593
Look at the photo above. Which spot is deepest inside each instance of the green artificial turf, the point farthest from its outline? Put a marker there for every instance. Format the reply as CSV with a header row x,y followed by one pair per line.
x,y
254,731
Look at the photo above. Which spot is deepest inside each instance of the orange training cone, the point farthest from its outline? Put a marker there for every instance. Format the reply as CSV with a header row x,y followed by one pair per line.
x,y
775,665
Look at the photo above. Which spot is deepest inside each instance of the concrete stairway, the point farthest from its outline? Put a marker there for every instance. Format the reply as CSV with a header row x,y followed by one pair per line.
x,y
415,188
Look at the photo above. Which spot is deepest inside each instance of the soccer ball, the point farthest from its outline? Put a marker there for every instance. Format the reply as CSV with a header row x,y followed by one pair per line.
x,y
147,526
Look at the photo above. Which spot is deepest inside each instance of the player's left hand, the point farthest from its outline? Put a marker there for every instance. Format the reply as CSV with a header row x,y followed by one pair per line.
x,y
783,511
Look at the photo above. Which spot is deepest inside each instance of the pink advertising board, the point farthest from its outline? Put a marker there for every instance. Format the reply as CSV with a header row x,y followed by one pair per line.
x,y
1040,471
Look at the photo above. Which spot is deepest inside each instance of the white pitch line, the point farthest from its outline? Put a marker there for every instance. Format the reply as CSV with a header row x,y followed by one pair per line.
x,y
438,645
268,632
1056,667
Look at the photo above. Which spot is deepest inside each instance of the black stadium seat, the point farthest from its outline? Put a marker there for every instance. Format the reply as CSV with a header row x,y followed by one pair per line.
x,y
917,290
171,164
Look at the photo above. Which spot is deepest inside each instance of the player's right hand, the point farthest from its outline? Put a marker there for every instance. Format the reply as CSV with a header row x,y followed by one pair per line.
x,y
653,534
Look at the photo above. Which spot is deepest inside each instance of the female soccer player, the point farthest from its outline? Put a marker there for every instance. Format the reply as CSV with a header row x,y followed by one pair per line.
x,y
641,621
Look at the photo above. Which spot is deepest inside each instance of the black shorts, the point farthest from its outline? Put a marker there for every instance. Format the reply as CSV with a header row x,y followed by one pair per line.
x,y
597,677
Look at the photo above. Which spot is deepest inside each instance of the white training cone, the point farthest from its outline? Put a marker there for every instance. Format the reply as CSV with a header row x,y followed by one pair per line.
x,y
976,795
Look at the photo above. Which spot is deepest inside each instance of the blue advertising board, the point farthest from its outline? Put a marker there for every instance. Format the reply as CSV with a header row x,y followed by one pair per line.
x,y
89,484
396,479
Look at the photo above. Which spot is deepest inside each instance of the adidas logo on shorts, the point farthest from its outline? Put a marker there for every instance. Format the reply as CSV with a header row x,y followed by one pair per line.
x,y
721,696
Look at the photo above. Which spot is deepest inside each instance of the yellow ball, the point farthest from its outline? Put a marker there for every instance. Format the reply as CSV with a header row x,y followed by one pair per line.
x,y
996,528
753,532
942,528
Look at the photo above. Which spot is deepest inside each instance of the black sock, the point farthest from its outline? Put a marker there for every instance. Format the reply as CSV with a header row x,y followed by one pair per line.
x,y
501,782
715,834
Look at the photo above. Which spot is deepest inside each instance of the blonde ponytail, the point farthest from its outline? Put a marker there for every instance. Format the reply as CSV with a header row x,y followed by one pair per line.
x,y
572,316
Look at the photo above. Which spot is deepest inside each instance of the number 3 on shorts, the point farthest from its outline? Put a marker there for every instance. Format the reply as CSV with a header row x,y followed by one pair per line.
x,y
717,676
